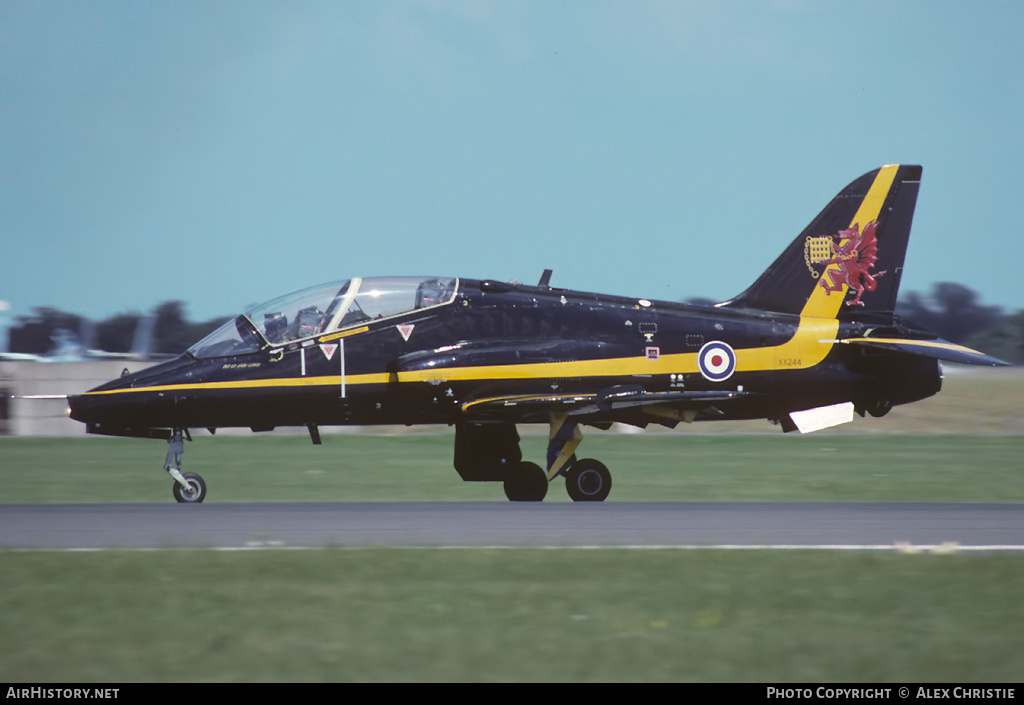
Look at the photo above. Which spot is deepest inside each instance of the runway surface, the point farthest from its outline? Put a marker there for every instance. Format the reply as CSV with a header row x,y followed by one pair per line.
x,y
501,524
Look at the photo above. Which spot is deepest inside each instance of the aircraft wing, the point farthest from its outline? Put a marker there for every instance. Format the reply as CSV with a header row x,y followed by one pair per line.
x,y
676,405
938,349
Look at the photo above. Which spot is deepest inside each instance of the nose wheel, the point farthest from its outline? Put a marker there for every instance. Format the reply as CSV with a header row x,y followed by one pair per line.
x,y
192,492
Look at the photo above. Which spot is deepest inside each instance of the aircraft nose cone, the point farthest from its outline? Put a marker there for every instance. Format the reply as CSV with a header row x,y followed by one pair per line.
x,y
81,407
101,403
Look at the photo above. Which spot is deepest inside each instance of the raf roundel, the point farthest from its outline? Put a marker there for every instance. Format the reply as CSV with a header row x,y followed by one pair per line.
x,y
717,361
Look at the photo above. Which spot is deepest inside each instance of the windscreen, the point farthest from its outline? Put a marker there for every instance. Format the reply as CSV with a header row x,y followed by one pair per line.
x,y
298,315
325,308
236,337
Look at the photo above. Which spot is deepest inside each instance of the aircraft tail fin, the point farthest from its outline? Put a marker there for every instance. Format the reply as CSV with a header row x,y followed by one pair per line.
x,y
850,257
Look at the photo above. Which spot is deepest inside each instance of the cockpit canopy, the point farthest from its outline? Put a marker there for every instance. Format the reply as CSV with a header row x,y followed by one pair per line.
x,y
323,309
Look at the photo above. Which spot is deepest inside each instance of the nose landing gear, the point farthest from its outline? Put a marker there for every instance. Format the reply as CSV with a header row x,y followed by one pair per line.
x,y
189,488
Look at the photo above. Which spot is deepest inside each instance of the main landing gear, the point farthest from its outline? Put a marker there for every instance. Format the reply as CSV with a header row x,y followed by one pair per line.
x,y
526,482
586,480
189,487
489,452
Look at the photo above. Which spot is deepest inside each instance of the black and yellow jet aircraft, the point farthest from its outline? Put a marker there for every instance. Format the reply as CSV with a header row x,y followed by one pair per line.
x,y
812,341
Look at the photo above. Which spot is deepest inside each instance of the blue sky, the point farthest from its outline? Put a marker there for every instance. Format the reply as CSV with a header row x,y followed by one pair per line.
x,y
222,153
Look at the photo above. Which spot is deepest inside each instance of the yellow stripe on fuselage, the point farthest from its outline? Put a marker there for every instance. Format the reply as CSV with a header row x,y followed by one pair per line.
x,y
279,382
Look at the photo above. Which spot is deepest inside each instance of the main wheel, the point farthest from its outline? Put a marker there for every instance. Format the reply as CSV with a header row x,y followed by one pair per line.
x,y
526,482
588,480
194,493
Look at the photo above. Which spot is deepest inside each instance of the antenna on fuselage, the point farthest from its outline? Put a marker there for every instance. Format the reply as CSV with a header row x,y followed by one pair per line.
x,y
545,278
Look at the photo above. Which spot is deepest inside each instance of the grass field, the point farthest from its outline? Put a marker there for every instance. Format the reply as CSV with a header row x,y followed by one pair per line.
x,y
514,615
657,467
646,467
527,614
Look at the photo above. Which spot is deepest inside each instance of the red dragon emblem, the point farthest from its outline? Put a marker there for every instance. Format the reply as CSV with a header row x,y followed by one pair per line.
x,y
854,253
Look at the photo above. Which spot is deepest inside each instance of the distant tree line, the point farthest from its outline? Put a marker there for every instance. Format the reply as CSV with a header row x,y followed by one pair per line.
x,y
955,312
172,332
952,311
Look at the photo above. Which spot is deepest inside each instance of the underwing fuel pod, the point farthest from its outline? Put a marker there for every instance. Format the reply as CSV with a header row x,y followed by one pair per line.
x,y
813,342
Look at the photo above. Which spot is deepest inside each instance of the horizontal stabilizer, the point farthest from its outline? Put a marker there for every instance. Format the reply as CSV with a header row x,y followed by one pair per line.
x,y
938,349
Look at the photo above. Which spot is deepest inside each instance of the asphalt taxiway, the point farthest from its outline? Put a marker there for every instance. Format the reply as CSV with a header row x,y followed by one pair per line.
x,y
892,526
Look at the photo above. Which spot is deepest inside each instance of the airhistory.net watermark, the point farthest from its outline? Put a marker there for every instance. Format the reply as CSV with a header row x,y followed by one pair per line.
x,y
34,692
